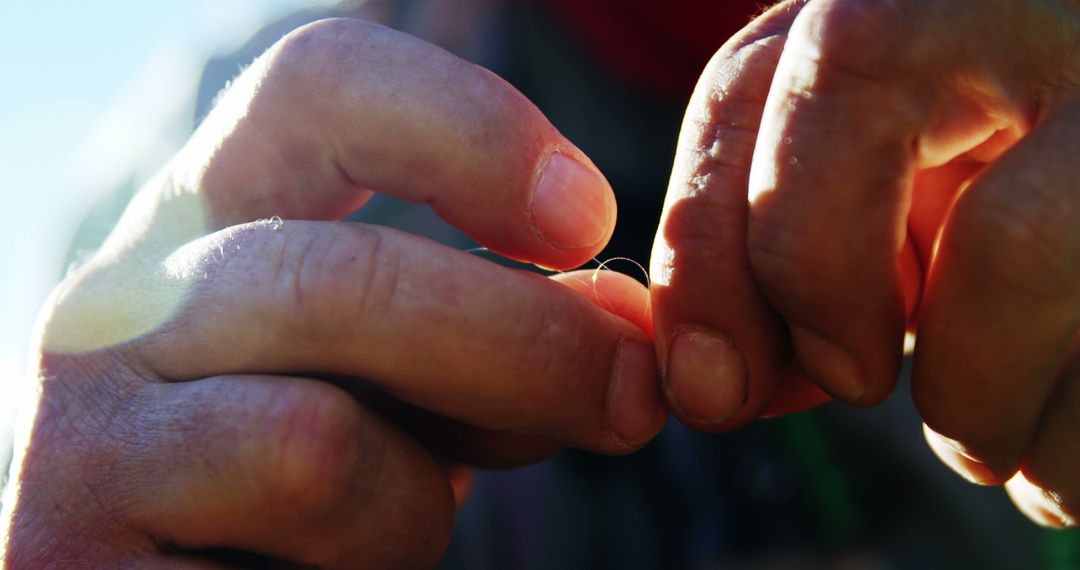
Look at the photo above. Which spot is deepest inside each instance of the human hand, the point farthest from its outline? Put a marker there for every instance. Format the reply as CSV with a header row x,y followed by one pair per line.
x,y
849,168
212,380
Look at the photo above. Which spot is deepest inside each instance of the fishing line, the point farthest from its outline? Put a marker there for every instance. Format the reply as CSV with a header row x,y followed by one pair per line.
x,y
600,266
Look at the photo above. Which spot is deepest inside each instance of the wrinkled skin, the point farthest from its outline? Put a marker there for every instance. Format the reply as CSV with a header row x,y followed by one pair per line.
x,y
849,169
237,374
305,390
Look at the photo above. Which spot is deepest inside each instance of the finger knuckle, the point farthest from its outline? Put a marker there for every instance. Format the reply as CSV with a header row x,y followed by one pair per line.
x,y
331,278
705,221
708,230
315,51
378,267
780,256
709,217
1020,234
858,38
312,456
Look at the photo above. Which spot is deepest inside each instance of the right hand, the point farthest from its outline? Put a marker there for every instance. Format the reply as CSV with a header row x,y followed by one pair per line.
x,y
849,169
206,380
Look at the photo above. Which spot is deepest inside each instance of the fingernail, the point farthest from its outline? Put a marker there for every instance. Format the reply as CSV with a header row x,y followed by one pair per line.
x,y
635,409
831,367
707,376
952,454
572,205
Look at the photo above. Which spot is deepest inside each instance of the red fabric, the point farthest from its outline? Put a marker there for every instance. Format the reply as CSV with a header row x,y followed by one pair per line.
x,y
657,45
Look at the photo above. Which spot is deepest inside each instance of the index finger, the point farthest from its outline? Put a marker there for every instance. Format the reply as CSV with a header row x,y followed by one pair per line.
x,y
720,343
340,108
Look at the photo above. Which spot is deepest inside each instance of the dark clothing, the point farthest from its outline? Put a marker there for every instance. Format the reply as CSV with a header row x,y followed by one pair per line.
x,y
659,49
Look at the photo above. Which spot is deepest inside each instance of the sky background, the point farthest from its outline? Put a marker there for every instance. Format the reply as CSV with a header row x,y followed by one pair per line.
x,y
86,89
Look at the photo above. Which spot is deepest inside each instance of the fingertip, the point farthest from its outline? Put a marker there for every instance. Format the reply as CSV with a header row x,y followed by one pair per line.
x,y
955,456
635,407
1038,505
572,208
614,292
707,381
831,367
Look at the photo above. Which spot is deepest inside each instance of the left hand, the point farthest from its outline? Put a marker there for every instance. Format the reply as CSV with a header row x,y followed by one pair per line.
x,y
907,163
213,384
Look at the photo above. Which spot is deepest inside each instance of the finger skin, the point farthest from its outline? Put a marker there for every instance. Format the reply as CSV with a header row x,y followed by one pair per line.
x,y
334,107
53,510
341,107
176,563
614,292
958,459
364,301
457,442
702,282
287,467
1046,509
635,403
209,425
828,209
1003,300
933,194
849,120
1046,488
